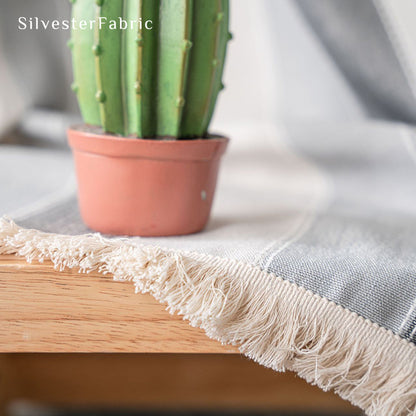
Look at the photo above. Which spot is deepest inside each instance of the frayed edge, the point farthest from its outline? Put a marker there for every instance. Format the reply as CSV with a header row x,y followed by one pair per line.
x,y
272,321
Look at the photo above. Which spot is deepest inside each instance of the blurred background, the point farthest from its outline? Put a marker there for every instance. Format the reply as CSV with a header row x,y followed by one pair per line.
x,y
290,59
291,62
157,384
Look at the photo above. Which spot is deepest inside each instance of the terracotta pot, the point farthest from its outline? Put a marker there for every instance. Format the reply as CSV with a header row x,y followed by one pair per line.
x,y
142,187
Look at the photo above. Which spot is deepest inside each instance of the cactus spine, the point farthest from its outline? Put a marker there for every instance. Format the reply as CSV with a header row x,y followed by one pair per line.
x,y
162,82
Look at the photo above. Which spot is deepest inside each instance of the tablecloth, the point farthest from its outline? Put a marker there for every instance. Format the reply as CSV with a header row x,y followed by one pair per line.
x,y
308,263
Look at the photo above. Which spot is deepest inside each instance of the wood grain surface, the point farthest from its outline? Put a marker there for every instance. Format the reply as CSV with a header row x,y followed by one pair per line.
x,y
43,310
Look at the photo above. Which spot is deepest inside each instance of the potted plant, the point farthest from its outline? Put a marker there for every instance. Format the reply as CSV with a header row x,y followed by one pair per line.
x,y
147,76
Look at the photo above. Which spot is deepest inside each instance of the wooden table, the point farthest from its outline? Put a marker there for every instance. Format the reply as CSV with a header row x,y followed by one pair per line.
x,y
169,364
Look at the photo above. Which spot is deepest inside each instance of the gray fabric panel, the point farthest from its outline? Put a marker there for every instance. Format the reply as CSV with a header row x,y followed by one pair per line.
x,y
359,44
62,217
30,177
361,253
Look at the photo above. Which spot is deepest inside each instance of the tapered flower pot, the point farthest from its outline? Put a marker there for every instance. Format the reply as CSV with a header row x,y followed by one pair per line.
x,y
139,187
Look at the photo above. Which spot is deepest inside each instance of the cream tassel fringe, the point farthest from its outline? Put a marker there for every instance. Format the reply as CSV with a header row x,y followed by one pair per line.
x,y
276,323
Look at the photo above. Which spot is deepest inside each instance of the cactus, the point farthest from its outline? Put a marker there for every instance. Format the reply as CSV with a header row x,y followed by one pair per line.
x,y
162,82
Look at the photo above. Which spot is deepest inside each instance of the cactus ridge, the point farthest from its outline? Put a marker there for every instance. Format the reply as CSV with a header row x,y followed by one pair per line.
x,y
150,83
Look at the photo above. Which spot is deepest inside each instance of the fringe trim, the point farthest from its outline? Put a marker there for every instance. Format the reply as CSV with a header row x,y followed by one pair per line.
x,y
274,322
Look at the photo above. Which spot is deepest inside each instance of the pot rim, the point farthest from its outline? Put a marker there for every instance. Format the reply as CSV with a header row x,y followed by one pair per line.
x,y
84,139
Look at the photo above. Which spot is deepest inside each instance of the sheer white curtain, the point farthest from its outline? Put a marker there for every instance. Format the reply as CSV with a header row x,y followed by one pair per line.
x,y
35,68
12,103
331,60
277,69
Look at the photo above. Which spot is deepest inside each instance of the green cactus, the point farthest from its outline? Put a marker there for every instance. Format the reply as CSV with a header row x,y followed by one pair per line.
x,y
162,82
